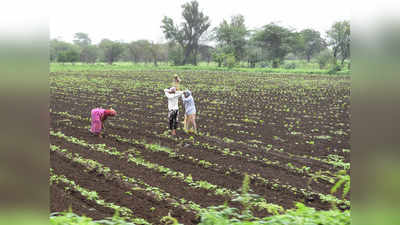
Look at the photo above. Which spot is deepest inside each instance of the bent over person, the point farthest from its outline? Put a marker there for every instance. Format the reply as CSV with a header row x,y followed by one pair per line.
x,y
173,108
99,117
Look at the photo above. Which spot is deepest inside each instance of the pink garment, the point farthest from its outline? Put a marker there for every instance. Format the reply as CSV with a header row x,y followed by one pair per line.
x,y
97,114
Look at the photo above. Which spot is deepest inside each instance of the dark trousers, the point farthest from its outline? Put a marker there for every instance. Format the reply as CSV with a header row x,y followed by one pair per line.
x,y
173,119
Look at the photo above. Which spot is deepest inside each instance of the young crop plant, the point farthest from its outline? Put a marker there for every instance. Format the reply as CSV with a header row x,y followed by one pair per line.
x,y
343,179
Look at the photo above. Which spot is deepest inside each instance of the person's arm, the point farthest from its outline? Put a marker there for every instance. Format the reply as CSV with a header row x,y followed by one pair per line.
x,y
103,120
179,93
169,95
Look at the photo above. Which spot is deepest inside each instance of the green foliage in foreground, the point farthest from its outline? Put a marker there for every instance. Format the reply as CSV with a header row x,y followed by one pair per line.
x,y
302,215
70,218
223,215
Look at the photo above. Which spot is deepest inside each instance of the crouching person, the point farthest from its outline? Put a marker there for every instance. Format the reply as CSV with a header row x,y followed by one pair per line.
x,y
99,117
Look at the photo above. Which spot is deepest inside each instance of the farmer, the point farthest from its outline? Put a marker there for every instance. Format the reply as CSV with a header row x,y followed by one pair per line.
x,y
173,108
99,116
190,110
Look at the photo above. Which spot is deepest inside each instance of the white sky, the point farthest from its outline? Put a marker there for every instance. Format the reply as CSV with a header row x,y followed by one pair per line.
x,y
129,20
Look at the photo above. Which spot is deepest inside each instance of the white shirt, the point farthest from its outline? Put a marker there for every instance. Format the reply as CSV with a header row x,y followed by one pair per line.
x,y
173,99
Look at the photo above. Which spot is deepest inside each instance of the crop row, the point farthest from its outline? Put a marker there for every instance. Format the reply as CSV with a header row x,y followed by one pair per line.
x,y
92,195
132,156
133,183
203,137
274,184
203,163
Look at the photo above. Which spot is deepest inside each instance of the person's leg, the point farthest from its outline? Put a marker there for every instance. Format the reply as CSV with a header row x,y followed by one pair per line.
x,y
174,122
189,123
185,123
194,122
171,122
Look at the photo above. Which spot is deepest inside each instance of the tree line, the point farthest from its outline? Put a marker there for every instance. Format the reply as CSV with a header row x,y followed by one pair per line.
x,y
234,42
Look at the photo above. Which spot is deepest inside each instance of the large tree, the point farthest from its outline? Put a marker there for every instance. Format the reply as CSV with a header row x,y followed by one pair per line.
x,y
155,51
205,52
111,50
339,40
310,43
82,39
278,41
254,53
89,54
231,36
188,34
139,51
70,55
56,47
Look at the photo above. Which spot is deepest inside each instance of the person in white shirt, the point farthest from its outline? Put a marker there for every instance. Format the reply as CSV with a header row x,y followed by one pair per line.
x,y
173,108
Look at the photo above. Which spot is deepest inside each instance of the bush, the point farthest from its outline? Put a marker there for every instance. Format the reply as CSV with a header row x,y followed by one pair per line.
x,y
176,56
230,61
264,64
335,68
301,215
70,218
290,66
323,58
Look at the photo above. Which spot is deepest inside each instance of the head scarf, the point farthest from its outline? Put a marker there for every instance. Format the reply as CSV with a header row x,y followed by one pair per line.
x,y
188,93
110,112
173,89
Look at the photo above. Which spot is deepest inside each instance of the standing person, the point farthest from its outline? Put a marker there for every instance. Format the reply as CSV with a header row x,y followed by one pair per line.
x,y
173,108
190,110
99,117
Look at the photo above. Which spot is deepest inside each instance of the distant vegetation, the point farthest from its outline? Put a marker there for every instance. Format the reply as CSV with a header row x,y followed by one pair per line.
x,y
236,46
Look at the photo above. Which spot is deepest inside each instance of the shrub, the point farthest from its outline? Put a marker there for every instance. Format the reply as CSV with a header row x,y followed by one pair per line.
x,y
323,58
230,60
335,68
290,66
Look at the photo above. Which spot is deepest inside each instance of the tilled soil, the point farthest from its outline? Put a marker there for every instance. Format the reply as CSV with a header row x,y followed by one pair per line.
x,y
318,118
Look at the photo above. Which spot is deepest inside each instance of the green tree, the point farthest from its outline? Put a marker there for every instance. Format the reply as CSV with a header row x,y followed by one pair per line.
x,y
339,40
311,43
175,53
205,53
218,56
278,40
232,36
188,34
111,50
155,51
89,54
254,53
323,58
230,60
70,55
139,51
82,40
56,47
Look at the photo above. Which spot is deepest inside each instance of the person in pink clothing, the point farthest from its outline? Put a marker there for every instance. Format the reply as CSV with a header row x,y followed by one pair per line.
x,y
99,116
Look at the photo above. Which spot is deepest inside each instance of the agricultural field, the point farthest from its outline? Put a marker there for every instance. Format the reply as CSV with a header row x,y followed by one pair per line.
x,y
289,133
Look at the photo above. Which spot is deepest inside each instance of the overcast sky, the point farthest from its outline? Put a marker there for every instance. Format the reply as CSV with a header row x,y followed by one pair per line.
x,y
129,20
